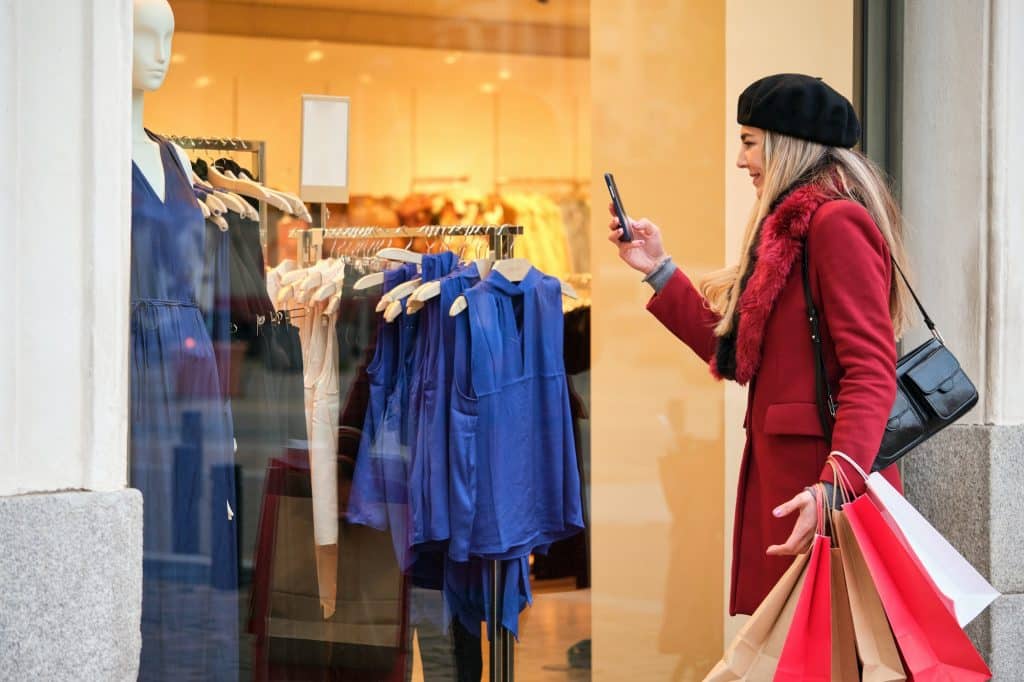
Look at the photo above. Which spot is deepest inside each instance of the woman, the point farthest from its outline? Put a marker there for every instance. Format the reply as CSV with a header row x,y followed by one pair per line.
x,y
749,321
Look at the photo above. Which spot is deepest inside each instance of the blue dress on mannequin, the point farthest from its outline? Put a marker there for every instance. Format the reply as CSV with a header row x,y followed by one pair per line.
x,y
180,444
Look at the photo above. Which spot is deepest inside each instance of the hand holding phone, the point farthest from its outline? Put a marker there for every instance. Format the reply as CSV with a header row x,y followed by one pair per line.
x,y
620,212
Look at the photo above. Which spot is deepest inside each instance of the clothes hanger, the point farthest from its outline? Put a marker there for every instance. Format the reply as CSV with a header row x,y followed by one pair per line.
x,y
403,255
246,188
428,290
233,170
405,288
399,292
295,205
217,207
369,281
393,307
336,286
315,277
231,202
289,284
332,281
285,266
205,209
332,305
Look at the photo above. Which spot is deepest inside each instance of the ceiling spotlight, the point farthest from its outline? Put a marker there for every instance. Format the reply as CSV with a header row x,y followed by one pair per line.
x,y
504,74
177,58
314,56
365,78
487,88
203,81
452,58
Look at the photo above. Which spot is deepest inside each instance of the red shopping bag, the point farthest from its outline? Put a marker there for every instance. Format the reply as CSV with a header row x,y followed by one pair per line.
x,y
807,653
929,638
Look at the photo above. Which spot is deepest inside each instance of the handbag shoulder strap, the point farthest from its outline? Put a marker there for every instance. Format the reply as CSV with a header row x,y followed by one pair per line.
x,y
924,313
823,395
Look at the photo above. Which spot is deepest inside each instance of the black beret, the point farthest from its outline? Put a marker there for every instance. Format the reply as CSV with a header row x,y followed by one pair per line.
x,y
799,106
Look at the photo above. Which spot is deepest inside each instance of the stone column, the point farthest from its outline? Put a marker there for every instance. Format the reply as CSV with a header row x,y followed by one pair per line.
x,y
71,562
964,209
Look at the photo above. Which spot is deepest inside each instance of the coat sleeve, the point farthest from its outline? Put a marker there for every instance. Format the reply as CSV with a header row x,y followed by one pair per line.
x,y
851,260
681,308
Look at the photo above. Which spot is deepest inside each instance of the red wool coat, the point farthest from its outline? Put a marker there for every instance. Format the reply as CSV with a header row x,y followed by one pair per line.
x,y
785,449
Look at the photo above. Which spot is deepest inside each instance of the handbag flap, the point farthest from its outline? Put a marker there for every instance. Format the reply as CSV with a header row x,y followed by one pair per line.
x,y
934,371
899,406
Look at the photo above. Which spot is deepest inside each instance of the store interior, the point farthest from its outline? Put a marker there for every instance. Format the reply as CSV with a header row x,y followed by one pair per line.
x,y
461,114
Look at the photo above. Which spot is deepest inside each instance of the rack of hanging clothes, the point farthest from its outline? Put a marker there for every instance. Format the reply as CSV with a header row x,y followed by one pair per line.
x,y
256,348
217,156
395,453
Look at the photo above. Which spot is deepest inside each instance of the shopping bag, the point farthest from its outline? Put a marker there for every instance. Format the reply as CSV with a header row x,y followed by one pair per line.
x,y
967,591
753,654
807,653
932,644
844,650
876,648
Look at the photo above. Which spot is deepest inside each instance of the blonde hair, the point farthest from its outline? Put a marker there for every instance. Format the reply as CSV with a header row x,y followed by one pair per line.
x,y
855,177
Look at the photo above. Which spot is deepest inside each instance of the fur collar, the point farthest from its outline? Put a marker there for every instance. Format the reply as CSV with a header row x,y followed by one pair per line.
x,y
777,246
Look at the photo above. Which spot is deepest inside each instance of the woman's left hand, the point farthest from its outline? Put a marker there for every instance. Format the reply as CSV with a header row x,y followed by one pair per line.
x,y
803,530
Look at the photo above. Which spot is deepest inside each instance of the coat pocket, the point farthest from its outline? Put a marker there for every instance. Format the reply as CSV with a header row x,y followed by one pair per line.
x,y
792,419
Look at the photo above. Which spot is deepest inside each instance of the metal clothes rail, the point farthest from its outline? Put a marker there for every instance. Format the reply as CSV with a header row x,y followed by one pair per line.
x,y
311,240
501,238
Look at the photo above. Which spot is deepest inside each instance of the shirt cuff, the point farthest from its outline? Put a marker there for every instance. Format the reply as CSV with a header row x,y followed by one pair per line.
x,y
660,275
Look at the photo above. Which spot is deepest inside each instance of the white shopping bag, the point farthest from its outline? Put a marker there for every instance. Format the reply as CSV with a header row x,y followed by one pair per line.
x,y
965,588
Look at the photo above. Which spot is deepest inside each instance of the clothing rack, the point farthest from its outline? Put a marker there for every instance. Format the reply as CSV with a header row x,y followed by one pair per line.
x,y
311,240
258,149
500,238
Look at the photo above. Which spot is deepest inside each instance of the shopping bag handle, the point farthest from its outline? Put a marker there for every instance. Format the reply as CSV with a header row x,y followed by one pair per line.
x,y
849,460
819,502
841,483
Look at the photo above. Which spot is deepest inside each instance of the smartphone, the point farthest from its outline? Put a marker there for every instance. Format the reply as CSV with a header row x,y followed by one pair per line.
x,y
609,180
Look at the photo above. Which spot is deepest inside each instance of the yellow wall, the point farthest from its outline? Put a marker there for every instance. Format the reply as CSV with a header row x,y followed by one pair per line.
x,y
667,438
657,459
803,36
412,112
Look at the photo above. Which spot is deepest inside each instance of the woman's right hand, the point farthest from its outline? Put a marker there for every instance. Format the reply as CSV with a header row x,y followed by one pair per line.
x,y
645,252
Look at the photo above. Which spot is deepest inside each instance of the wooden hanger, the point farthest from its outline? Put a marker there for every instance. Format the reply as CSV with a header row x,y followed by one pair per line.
x,y
400,291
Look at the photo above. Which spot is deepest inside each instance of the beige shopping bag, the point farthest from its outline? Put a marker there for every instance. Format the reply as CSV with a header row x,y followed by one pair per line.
x,y
754,653
844,646
875,643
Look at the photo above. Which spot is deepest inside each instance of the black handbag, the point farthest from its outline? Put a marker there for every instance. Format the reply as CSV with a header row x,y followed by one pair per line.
x,y
932,391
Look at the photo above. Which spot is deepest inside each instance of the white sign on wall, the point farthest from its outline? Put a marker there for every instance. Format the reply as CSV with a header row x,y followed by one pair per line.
x,y
323,170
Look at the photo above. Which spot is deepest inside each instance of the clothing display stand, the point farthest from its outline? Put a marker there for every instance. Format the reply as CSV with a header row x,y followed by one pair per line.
x,y
501,241
311,240
258,149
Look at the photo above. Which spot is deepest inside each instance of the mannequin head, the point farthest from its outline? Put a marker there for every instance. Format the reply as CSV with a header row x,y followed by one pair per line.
x,y
154,27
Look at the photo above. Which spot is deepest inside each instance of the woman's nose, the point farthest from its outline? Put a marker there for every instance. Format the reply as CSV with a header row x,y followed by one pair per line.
x,y
741,160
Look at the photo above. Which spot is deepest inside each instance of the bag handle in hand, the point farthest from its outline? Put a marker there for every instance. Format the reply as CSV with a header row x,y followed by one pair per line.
x,y
849,460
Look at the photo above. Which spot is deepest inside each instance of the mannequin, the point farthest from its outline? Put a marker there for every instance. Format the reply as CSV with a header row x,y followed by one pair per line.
x,y
181,433
151,56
